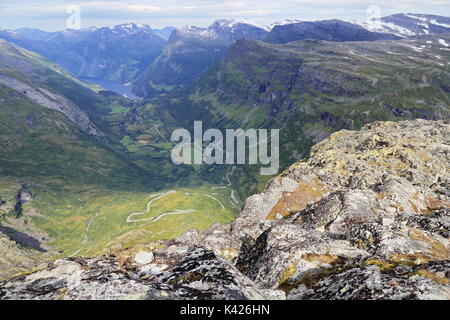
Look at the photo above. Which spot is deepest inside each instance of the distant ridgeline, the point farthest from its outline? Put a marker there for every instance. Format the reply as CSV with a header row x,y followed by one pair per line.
x,y
98,165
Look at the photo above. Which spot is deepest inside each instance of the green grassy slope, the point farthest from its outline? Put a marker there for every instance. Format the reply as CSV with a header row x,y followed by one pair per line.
x,y
29,66
309,89
86,189
84,186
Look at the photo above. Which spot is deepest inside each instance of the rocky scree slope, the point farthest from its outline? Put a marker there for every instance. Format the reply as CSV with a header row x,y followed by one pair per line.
x,y
365,217
24,62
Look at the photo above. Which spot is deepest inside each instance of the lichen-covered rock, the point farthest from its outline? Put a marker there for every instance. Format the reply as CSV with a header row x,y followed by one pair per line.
x,y
425,282
174,273
380,192
367,216
144,257
288,252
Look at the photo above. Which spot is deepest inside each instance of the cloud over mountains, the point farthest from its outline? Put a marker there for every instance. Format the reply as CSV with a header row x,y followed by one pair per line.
x,y
52,15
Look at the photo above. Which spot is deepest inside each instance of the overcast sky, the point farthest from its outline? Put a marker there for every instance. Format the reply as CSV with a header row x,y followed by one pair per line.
x,y
52,14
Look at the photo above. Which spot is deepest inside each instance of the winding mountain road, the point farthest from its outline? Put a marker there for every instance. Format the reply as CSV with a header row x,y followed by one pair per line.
x,y
85,238
171,213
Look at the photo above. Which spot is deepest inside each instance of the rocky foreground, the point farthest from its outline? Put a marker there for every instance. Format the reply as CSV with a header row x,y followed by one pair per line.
x,y
367,216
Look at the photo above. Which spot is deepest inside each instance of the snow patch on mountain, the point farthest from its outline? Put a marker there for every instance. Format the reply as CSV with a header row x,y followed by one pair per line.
x,y
384,27
433,21
409,15
283,22
405,25
194,31
129,29
231,23
442,41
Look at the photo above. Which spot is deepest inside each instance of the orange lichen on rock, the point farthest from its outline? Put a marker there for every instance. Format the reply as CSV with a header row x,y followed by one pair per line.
x,y
434,277
291,202
434,204
437,251
323,258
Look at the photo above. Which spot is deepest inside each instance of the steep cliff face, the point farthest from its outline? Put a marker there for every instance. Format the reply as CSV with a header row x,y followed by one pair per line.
x,y
365,217
48,85
52,101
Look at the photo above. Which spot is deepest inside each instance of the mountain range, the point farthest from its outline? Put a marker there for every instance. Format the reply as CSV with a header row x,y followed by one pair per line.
x,y
186,56
117,54
309,89
157,61
85,171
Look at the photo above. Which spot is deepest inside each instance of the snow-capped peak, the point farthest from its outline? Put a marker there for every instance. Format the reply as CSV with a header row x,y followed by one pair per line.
x,y
284,22
384,27
130,26
405,24
426,20
13,32
230,23
198,32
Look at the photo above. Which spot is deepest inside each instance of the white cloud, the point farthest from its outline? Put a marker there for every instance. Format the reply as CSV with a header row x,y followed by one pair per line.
x,y
52,13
